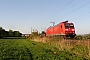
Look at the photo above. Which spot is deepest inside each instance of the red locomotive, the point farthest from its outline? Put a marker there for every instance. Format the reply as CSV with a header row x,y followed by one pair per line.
x,y
64,29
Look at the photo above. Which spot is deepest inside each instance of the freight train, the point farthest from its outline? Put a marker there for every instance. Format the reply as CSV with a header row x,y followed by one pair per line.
x,y
65,29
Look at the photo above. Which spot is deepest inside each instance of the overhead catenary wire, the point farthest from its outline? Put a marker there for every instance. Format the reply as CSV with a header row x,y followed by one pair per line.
x,y
81,16
74,10
54,12
59,11
62,8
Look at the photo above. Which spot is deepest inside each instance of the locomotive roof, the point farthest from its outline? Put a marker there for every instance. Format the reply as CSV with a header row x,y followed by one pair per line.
x,y
59,23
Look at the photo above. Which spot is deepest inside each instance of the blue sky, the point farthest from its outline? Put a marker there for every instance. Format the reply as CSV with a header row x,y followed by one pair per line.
x,y
23,14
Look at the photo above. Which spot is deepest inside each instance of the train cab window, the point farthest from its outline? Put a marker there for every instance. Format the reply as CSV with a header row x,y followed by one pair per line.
x,y
66,25
69,26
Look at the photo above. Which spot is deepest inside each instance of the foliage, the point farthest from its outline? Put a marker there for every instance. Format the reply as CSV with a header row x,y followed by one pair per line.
x,y
43,32
9,33
82,37
78,37
34,35
28,50
55,38
80,50
88,36
17,34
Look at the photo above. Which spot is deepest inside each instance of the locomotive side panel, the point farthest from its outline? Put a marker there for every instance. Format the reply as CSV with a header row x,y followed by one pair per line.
x,y
62,29
49,31
56,30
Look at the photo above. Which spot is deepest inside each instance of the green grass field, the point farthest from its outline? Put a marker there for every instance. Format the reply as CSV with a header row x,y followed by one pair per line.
x,y
22,49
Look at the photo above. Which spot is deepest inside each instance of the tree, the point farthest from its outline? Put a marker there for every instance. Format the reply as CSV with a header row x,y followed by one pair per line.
x,y
43,32
2,32
17,34
11,33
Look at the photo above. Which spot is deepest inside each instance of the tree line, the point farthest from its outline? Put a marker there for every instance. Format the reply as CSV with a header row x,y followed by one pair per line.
x,y
10,33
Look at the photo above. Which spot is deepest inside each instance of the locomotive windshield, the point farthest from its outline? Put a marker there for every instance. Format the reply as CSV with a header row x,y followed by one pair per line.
x,y
68,25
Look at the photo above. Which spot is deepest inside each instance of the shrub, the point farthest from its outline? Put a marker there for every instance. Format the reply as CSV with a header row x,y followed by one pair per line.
x,y
79,37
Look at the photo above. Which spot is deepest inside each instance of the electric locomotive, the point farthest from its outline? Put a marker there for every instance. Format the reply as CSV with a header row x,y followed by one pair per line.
x,y
65,28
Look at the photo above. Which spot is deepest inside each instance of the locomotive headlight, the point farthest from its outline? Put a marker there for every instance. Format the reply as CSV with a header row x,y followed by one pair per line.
x,y
73,29
66,32
66,29
73,32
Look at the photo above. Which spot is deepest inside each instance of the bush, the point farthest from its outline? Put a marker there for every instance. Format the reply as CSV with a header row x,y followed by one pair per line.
x,y
79,37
